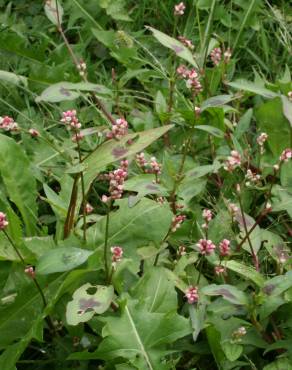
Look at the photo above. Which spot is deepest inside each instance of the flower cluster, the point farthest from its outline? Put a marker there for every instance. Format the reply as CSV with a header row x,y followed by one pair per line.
x,y
33,132
219,269
206,247
192,78
82,68
70,119
286,155
179,9
233,209
116,182
119,129
177,222
152,167
186,42
233,161
216,56
239,333
3,221
117,254
224,248
261,140
207,216
29,271
252,177
8,124
192,294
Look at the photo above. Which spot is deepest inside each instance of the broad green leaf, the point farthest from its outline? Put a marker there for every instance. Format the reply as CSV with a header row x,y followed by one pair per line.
x,y
62,91
255,237
54,11
175,45
243,124
246,272
287,109
197,316
283,363
286,176
201,171
61,259
134,227
12,78
139,334
160,104
252,87
278,284
270,119
211,130
19,181
216,101
112,151
281,200
87,301
157,291
232,350
228,292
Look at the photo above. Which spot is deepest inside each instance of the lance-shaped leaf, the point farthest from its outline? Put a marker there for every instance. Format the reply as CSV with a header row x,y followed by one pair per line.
x,y
228,292
87,301
139,336
61,259
113,150
247,272
54,11
19,181
175,45
12,78
253,88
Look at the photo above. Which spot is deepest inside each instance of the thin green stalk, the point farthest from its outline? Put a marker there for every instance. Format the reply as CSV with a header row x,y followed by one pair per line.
x,y
243,23
105,248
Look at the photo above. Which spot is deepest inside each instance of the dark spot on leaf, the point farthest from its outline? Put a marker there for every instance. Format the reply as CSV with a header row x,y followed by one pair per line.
x,y
64,91
226,293
177,49
119,152
66,258
268,289
151,187
91,290
87,304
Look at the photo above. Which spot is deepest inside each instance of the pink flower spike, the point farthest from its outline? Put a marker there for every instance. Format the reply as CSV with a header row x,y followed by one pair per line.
x,y
88,208
219,269
224,247
70,119
117,254
8,124
206,247
186,42
77,137
286,155
119,129
176,222
179,9
233,161
192,294
3,221
216,56
207,215
29,271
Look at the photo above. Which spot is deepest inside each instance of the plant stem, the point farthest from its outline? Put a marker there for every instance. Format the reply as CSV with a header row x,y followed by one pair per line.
x,y
254,256
105,249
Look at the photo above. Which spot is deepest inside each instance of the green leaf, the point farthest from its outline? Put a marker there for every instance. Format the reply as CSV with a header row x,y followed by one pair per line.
x,y
270,119
211,130
19,181
61,259
197,316
280,364
175,45
63,91
54,11
243,124
139,335
87,301
201,171
246,272
134,227
232,350
278,284
287,109
13,78
228,292
252,87
216,101
112,151
256,235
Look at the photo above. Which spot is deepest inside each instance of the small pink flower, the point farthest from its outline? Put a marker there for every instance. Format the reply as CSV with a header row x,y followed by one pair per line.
x,y
69,118
29,271
219,269
155,167
104,198
224,247
216,56
207,215
233,161
197,111
141,161
182,71
119,129
116,184
262,138
181,250
33,132
227,55
177,222
192,294
8,124
88,208
179,9
233,209
124,165
286,155
206,247
186,42
81,66
117,254
3,221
